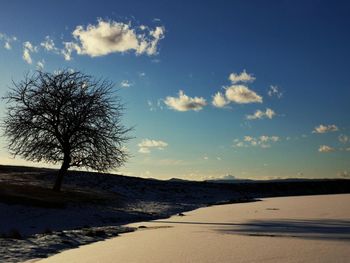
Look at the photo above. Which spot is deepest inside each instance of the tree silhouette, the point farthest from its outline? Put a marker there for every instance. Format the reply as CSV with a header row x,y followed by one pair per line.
x,y
66,117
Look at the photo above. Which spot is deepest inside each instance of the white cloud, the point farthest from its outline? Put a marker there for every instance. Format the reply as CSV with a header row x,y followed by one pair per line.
x,y
239,144
144,150
26,56
68,49
219,100
248,138
343,138
108,37
269,113
262,141
185,103
142,74
274,92
40,64
325,149
125,84
28,48
325,128
274,138
151,46
241,94
48,44
264,138
7,40
241,77
151,106
7,45
146,145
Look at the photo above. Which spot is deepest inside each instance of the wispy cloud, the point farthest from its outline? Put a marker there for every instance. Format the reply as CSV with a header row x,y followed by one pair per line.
x,y
325,128
325,149
185,103
343,138
274,91
108,37
7,45
242,77
215,158
125,84
40,64
48,44
7,40
153,106
146,145
268,113
262,141
242,95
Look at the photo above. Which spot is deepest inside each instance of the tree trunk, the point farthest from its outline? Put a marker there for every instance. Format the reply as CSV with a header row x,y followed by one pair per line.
x,y
61,173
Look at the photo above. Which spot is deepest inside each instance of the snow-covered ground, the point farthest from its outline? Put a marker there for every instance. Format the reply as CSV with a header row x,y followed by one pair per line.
x,y
36,222
285,229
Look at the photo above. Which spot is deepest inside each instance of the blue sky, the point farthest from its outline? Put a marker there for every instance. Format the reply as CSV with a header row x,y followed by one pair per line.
x,y
279,70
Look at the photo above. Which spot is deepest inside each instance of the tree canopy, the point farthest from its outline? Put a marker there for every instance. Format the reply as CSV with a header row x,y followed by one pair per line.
x,y
66,117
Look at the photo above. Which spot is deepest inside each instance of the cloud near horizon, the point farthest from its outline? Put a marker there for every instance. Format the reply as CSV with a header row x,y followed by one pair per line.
x,y
108,37
344,173
263,141
343,138
146,145
185,103
325,128
325,149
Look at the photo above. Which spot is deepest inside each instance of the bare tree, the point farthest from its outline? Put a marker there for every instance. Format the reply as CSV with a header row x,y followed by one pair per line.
x,y
66,117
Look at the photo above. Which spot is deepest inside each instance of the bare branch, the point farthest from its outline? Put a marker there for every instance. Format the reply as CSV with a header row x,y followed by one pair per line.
x,y
66,116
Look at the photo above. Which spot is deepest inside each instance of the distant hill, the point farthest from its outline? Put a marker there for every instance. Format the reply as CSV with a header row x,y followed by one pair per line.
x,y
230,181
237,180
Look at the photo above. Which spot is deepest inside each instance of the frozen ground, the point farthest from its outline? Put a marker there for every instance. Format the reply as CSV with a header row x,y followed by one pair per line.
x,y
285,229
36,223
